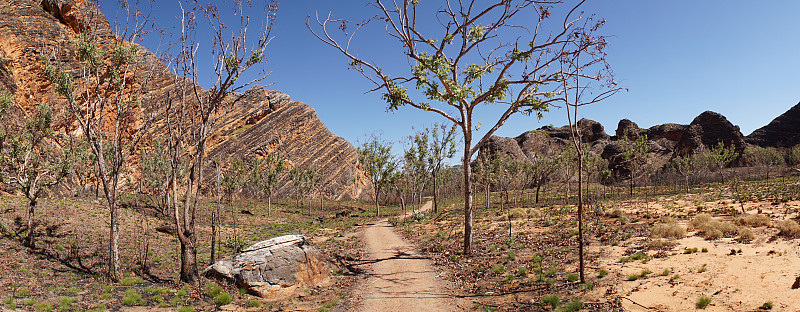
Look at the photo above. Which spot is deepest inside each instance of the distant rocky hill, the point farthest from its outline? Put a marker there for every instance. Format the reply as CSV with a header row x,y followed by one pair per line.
x,y
665,141
783,131
261,122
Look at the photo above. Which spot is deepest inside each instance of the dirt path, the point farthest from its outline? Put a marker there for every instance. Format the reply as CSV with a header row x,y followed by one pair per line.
x,y
399,278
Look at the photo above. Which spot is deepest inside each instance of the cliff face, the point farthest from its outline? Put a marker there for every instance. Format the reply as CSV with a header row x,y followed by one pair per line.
x,y
261,122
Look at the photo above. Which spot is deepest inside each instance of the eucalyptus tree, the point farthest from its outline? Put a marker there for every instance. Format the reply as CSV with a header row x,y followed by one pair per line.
x,y
32,162
416,160
106,105
635,153
442,145
272,168
721,156
375,157
506,54
686,165
191,112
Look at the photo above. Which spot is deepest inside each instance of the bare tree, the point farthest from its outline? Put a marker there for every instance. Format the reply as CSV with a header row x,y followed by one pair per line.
x,y
191,116
503,52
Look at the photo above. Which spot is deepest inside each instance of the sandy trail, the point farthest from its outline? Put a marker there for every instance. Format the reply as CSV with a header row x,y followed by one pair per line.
x,y
399,278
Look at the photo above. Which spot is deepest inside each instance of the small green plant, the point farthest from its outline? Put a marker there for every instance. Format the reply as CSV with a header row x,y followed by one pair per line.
x,y
222,299
666,272
587,286
689,251
602,273
44,307
766,306
10,303
337,272
508,277
485,307
253,303
703,302
632,277
132,298
185,309
551,300
522,271
212,289
66,303
498,268
573,306
98,307
130,281
702,268
572,277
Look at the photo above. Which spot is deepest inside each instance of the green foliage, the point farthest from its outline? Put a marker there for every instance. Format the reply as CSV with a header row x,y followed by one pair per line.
x,y
88,51
766,306
552,300
212,289
132,298
44,307
222,299
573,306
375,158
186,309
498,268
602,273
572,277
253,303
130,281
703,302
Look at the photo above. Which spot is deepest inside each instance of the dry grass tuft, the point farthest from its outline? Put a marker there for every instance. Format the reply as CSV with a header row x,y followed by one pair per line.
x,y
715,229
754,220
662,244
668,230
699,220
616,213
517,213
788,228
745,234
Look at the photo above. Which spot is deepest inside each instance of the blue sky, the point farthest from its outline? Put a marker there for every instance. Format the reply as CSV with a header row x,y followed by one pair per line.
x,y
676,58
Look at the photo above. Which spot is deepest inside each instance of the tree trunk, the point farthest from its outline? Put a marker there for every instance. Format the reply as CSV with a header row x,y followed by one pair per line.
x,y
435,192
29,239
467,197
538,187
377,207
213,236
269,204
487,196
113,255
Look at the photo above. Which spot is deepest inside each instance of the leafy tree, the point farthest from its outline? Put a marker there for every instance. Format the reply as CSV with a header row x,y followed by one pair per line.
x,y
721,157
234,179
416,159
442,145
685,165
486,171
33,163
480,54
794,156
635,153
108,109
191,112
375,157
543,168
272,167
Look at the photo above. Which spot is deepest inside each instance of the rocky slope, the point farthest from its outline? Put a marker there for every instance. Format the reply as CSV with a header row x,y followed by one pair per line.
x,y
261,122
783,131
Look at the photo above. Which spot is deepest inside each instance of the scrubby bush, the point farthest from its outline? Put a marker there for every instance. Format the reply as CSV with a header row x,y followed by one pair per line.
x,y
754,220
660,244
668,230
703,302
551,300
715,229
788,228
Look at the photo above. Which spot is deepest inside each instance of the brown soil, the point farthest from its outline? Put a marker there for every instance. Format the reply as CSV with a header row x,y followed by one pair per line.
x,y
398,277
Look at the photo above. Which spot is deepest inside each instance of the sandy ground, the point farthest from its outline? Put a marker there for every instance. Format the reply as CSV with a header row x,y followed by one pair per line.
x,y
399,277
736,276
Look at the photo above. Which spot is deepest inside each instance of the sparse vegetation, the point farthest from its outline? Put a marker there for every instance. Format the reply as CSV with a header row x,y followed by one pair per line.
x,y
703,302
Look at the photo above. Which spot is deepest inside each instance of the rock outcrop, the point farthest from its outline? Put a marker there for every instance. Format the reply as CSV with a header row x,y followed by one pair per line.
x,y
261,121
706,130
783,131
273,268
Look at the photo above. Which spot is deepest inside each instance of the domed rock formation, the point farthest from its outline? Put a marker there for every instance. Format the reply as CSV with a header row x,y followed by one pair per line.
x,y
706,130
783,131
628,128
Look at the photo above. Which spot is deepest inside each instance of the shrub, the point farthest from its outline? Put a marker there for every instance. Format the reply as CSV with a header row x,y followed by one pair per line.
x,y
44,307
754,220
667,230
703,302
253,303
602,273
185,309
766,306
788,228
716,229
132,298
616,213
213,289
551,300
